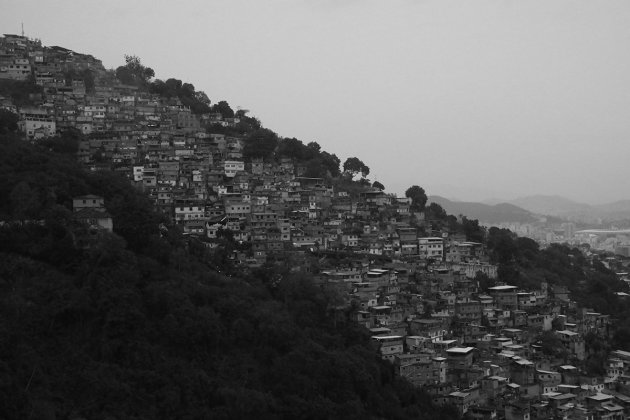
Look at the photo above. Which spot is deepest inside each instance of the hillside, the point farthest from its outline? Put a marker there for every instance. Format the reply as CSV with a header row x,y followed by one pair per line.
x,y
136,325
491,214
165,256
162,318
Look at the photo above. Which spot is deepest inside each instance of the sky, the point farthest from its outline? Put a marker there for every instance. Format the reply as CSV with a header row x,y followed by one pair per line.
x,y
469,99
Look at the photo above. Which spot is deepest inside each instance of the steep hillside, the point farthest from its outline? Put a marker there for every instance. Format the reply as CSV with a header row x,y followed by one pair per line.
x,y
134,325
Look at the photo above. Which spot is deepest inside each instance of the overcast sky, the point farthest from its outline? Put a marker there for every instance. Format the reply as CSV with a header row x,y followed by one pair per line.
x,y
468,99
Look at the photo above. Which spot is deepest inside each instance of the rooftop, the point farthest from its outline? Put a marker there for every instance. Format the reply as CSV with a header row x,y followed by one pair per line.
x,y
600,397
460,350
502,288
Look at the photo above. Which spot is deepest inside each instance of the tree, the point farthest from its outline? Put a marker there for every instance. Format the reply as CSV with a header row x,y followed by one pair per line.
x,y
223,108
353,166
378,185
472,230
435,211
66,142
25,202
241,113
314,146
552,345
8,121
291,147
418,197
483,281
201,96
331,162
500,243
198,102
133,72
260,143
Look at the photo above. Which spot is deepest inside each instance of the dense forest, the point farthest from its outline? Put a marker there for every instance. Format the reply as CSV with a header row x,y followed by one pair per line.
x,y
134,325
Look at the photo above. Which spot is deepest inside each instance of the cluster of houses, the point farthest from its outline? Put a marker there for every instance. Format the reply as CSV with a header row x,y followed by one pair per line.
x,y
481,350
414,287
92,105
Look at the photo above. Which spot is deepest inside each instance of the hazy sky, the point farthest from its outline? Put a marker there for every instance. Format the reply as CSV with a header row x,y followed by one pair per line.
x,y
470,99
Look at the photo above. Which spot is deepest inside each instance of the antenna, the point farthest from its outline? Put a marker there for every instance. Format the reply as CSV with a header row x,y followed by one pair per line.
x,y
22,28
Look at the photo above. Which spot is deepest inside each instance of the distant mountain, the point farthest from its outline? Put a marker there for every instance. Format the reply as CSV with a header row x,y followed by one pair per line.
x,y
614,211
552,205
494,214
492,201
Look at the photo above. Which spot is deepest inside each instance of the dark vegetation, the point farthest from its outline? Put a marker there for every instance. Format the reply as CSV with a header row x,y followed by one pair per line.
x,y
197,101
134,325
85,75
22,93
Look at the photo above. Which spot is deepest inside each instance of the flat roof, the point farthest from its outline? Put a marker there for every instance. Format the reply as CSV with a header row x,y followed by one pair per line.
x,y
459,394
600,397
505,287
427,320
460,350
388,337
622,353
551,394
566,396
377,329
612,407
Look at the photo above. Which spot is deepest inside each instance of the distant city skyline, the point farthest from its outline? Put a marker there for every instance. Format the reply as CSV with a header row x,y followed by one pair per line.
x,y
494,99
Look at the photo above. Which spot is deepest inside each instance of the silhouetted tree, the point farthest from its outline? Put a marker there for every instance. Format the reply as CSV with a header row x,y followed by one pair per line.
x,y
353,166
378,185
418,197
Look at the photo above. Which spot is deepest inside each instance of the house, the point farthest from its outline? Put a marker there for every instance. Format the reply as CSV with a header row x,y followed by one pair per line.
x,y
459,357
573,343
90,210
88,202
38,126
231,167
504,296
390,346
431,247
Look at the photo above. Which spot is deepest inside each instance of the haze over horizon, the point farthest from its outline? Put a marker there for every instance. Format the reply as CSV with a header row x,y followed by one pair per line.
x,y
470,100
